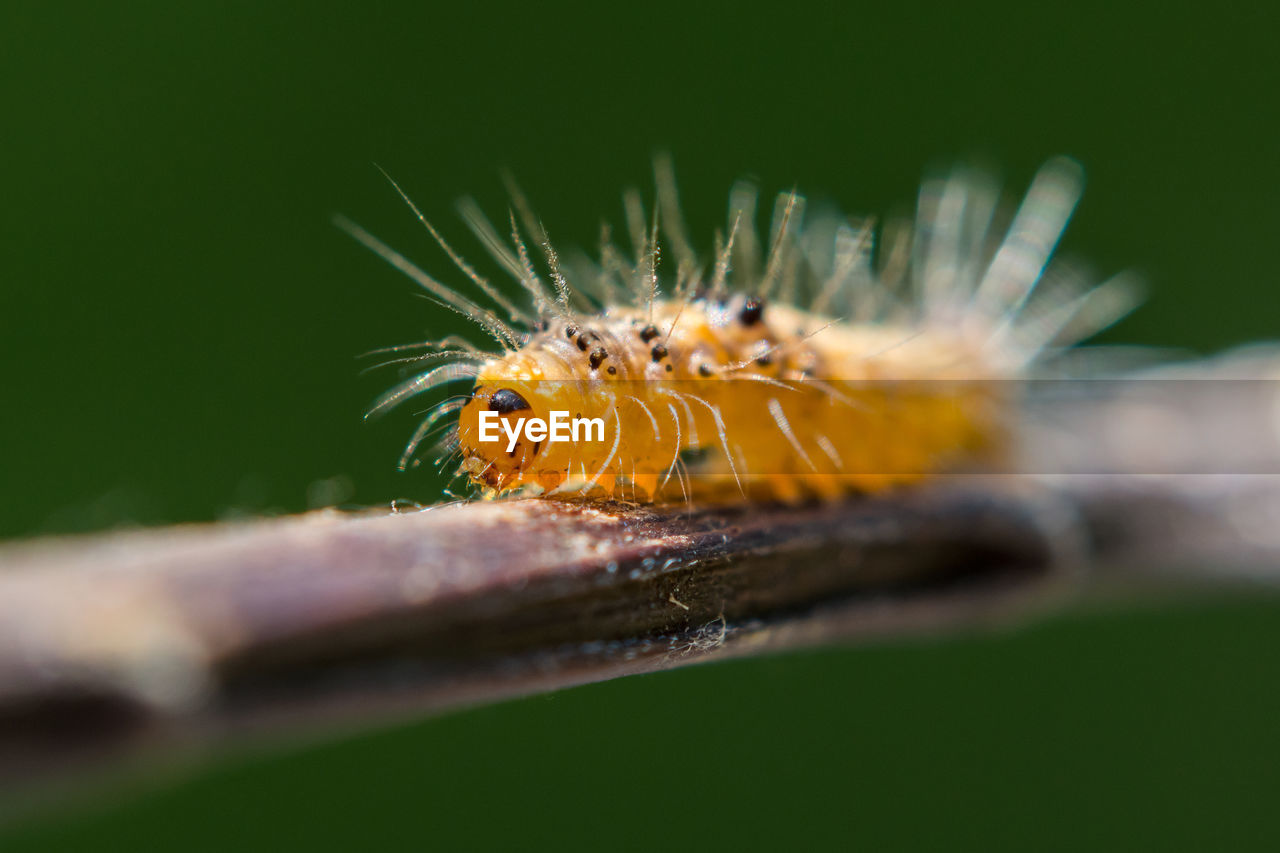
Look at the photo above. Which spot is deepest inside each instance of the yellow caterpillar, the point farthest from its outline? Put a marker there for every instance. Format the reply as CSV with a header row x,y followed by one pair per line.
x,y
718,386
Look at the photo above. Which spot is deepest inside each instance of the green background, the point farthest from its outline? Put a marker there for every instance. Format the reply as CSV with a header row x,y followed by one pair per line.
x,y
179,323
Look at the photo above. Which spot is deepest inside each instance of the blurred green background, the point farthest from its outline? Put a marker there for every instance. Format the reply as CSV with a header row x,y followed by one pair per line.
x,y
179,321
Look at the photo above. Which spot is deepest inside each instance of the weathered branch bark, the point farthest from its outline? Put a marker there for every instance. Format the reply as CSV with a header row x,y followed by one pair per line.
x,y
203,628
193,632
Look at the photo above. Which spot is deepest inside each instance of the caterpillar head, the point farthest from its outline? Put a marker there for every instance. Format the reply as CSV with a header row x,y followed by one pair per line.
x,y
487,460
517,429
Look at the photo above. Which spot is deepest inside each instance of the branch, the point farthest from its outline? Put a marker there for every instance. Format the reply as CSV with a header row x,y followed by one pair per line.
x,y
198,630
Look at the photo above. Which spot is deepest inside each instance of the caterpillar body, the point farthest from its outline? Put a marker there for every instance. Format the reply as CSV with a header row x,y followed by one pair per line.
x,y
712,384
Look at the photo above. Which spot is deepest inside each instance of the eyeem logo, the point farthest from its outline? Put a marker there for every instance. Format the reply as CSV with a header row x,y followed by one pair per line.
x,y
561,428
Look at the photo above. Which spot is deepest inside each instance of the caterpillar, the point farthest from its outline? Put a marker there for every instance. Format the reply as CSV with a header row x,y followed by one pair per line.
x,y
711,383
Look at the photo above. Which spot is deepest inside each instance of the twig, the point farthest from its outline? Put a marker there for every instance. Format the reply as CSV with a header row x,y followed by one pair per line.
x,y
200,629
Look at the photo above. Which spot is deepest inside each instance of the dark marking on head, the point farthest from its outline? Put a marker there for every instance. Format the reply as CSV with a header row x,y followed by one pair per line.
x,y
541,325
598,355
611,370
648,333
764,360
752,311
704,369
505,401
669,368
659,352
570,331
536,446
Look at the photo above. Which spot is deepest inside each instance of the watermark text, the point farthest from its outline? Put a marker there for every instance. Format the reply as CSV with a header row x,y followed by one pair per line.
x,y
560,428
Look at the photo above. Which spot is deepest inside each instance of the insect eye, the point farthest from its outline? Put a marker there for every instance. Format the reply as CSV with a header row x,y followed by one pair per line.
x,y
504,401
